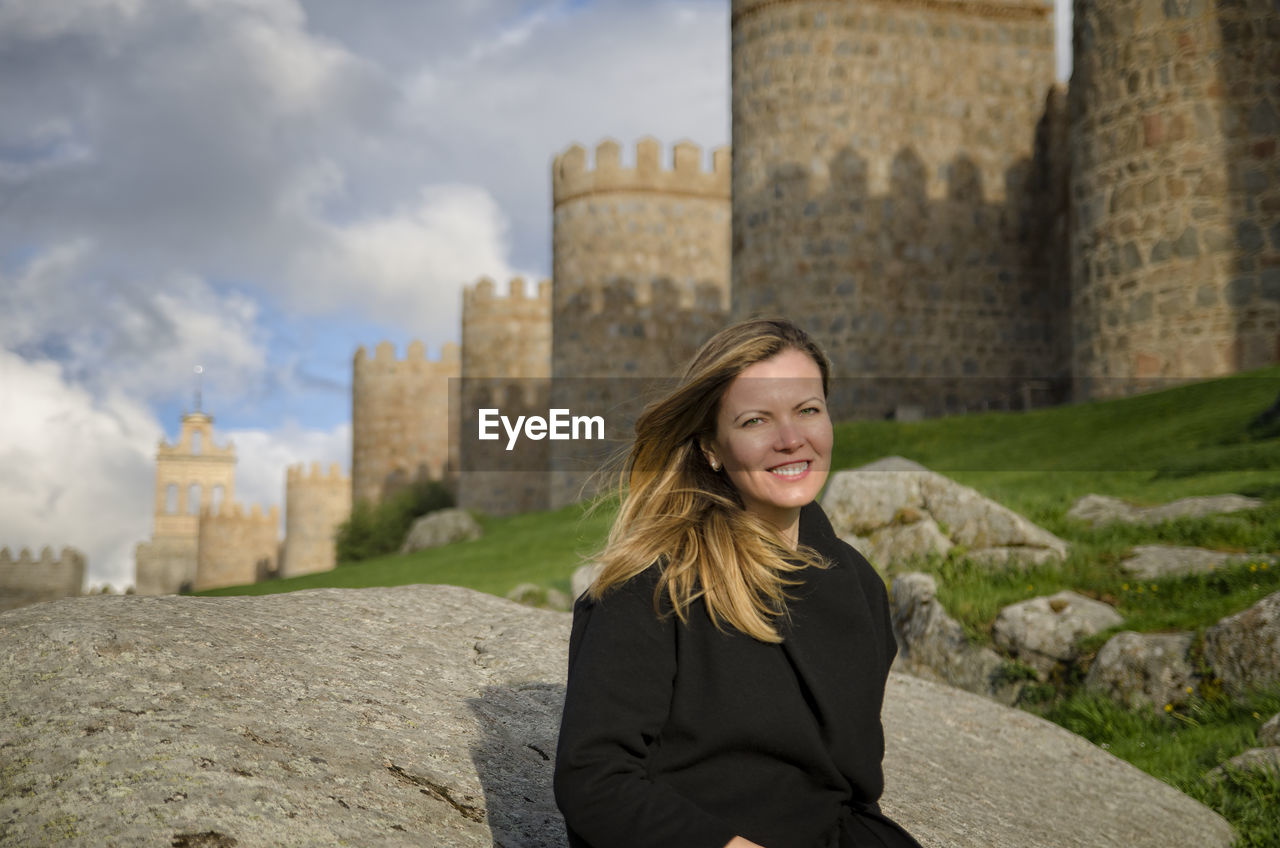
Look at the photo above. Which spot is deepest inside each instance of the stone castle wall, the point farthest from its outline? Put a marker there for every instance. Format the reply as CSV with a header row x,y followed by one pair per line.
x,y
1175,113
641,269
236,547
316,503
166,565
506,364
400,418
882,163
27,579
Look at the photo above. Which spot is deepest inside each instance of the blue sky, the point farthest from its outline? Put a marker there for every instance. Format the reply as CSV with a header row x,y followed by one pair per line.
x,y
261,186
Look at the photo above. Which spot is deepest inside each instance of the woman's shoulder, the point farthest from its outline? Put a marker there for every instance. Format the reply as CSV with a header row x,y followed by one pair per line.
x,y
817,533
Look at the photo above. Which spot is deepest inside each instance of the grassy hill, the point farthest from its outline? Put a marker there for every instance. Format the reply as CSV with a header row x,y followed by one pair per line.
x,y
1188,440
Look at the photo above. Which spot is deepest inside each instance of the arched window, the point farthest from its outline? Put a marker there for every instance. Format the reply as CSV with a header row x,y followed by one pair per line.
x,y
196,439
171,499
219,492
193,499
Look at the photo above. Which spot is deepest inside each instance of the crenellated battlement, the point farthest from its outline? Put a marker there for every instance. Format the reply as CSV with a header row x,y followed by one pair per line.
x,y
483,293
315,473
571,178
385,354
236,511
26,578
662,295
66,557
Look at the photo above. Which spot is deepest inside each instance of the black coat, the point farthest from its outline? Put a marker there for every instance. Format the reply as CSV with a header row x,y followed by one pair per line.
x,y
683,735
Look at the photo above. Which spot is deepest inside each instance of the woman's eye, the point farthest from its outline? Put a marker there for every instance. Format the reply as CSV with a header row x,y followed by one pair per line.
x,y
810,410
750,422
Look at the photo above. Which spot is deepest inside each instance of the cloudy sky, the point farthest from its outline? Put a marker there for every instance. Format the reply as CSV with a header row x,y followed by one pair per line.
x,y
260,186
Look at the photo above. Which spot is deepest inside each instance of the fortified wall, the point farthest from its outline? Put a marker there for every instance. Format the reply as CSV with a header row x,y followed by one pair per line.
x,y
192,474
316,503
506,364
400,418
26,579
641,269
882,175
1175,253
236,546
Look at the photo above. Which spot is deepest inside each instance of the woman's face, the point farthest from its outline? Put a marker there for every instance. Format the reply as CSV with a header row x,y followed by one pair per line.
x,y
773,437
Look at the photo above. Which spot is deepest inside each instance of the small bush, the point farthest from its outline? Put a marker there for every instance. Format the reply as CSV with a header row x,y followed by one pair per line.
x,y
377,529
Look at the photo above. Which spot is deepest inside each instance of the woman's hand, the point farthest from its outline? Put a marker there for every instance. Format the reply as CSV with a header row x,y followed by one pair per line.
x,y
739,842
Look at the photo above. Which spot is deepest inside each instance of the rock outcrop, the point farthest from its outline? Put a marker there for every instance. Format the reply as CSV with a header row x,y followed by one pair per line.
x,y
1244,649
1152,562
1143,669
1104,509
898,509
933,645
1043,632
427,715
442,527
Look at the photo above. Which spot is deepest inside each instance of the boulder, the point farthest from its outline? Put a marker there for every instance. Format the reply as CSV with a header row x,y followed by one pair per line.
x,y
1042,632
1269,733
442,527
906,511
1254,759
1152,562
1143,669
427,715
1244,649
933,645
533,595
1104,509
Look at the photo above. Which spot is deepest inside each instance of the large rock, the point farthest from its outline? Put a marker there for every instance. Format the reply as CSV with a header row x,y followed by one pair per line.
x,y
933,645
1104,509
1244,649
427,715
583,577
1269,733
1143,669
1152,562
1043,632
442,527
906,511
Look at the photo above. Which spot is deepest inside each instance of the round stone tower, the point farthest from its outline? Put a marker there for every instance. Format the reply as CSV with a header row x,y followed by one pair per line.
x,y
641,271
316,503
1175,186
399,418
882,170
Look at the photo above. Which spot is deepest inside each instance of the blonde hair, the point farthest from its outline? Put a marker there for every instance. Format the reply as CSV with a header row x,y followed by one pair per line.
x,y
679,512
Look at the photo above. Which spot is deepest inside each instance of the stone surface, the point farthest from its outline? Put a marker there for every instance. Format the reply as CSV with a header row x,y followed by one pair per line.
x,y
1269,733
907,511
442,527
427,715
1244,649
1042,632
533,595
1104,509
933,645
1143,669
1151,562
1250,760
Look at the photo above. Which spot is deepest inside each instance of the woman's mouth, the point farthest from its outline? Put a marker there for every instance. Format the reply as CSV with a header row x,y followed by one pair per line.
x,y
792,470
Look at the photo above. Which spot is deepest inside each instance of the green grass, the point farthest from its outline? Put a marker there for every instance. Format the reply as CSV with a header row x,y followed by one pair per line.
x,y
542,548
1190,440
1182,747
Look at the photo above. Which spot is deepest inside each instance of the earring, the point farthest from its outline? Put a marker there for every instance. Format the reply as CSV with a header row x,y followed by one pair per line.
x,y
715,465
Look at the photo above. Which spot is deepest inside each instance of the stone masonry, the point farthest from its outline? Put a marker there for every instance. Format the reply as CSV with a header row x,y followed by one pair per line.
x,y
641,265
27,579
316,502
884,195
236,546
506,364
1175,186
400,418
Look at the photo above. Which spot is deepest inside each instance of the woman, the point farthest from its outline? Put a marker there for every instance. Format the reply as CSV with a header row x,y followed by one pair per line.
x,y
727,666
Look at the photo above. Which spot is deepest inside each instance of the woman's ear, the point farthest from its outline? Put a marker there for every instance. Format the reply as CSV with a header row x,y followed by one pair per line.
x,y
710,453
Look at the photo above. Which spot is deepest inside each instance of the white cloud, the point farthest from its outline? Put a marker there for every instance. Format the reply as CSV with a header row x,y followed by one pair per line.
x,y
74,470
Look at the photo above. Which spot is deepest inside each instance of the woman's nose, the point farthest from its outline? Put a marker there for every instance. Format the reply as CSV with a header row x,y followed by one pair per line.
x,y
788,436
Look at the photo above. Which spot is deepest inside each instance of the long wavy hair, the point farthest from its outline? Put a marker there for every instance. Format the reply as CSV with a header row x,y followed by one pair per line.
x,y
680,513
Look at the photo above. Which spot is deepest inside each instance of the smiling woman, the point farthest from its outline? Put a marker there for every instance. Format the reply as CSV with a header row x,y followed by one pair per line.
x,y
727,667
